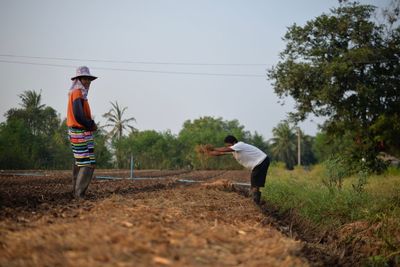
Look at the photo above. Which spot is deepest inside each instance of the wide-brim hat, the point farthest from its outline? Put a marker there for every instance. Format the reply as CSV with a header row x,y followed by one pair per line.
x,y
83,71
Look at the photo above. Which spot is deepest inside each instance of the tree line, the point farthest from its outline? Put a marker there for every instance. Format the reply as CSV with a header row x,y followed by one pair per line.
x,y
35,137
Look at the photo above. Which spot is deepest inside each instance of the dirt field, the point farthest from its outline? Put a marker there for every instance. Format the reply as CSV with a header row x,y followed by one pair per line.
x,y
155,222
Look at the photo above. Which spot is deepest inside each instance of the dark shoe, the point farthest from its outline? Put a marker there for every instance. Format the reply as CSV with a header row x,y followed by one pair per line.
x,y
257,197
82,181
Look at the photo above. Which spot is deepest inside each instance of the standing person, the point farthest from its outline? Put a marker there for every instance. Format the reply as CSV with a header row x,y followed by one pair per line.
x,y
80,130
250,157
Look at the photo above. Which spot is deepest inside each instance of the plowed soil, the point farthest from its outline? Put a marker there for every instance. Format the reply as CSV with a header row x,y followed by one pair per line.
x,y
156,222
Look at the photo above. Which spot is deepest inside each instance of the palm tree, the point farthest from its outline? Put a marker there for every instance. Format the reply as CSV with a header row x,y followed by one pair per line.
x,y
39,118
31,100
115,120
32,110
284,144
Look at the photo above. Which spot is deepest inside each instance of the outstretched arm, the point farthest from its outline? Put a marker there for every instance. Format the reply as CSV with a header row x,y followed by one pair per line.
x,y
219,151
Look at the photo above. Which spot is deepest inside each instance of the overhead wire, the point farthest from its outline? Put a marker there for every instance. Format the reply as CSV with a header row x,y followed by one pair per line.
x,y
137,62
170,63
151,63
137,70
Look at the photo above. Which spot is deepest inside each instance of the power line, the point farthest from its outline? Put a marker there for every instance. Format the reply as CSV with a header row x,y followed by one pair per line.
x,y
138,70
137,62
172,63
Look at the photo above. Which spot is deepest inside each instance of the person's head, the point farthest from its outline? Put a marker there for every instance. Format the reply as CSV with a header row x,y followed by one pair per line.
x,y
85,81
230,140
84,76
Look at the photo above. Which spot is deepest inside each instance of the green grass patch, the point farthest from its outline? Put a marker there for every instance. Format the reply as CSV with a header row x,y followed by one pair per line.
x,y
378,201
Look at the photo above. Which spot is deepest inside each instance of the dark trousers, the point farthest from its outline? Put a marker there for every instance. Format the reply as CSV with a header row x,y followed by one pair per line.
x,y
259,173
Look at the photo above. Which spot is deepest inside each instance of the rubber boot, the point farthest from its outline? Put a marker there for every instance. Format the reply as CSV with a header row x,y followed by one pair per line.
x,y
257,197
83,180
75,170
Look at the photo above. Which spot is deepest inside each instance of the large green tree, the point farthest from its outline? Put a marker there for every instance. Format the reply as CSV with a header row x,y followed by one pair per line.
x,y
152,150
39,118
31,137
326,147
15,145
345,67
209,130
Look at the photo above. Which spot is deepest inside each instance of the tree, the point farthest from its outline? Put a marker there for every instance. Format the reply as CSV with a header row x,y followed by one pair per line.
x,y
327,146
101,149
31,100
115,120
258,141
15,143
118,125
33,136
40,119
153,150
345,67
209,130
163,150
307,153
391,15
58,148
283,144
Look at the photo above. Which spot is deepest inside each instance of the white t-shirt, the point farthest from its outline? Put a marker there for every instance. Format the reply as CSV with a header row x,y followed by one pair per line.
x,y
247,155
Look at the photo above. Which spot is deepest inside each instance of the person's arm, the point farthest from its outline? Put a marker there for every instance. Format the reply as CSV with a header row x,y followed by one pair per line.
x,y
79,115
220,151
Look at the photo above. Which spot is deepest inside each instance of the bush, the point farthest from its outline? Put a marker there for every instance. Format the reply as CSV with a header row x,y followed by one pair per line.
x,y
336,170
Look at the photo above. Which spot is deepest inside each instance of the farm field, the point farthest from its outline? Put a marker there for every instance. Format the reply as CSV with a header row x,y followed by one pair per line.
x,y
150,222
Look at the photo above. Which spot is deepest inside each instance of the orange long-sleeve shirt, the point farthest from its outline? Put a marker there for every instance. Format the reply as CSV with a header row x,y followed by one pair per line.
x,y
72,117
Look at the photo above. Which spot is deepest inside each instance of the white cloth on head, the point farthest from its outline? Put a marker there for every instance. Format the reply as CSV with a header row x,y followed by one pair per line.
x,y
247,155
76,84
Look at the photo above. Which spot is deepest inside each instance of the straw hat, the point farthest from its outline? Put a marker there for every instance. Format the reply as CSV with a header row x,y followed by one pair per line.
x,y
83,71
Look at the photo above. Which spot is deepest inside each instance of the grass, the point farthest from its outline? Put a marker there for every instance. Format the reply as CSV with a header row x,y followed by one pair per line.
x,y
377,203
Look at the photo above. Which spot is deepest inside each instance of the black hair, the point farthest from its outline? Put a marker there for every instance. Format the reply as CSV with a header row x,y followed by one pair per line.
x,y
230,139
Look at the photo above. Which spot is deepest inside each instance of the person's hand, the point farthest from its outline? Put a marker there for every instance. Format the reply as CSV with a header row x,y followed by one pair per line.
x,y
94,128
207,148
204,149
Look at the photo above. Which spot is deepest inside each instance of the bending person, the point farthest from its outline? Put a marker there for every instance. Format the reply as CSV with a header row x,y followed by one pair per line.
x,y
250,157
80,130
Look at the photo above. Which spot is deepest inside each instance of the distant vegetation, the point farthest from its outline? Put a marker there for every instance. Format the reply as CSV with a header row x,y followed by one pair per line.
x,y
361,215
35,137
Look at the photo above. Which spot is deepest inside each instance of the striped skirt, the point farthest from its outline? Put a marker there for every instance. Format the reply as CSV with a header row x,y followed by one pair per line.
x,y
82,146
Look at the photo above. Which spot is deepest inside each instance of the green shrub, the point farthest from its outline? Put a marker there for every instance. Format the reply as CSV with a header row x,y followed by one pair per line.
x,y
377,202
336,170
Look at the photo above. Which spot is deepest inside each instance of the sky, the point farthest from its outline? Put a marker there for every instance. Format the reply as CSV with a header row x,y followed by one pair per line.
x,y
136,48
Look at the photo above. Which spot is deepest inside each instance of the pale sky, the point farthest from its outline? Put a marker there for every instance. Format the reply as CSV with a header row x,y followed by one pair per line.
x,y
154,31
